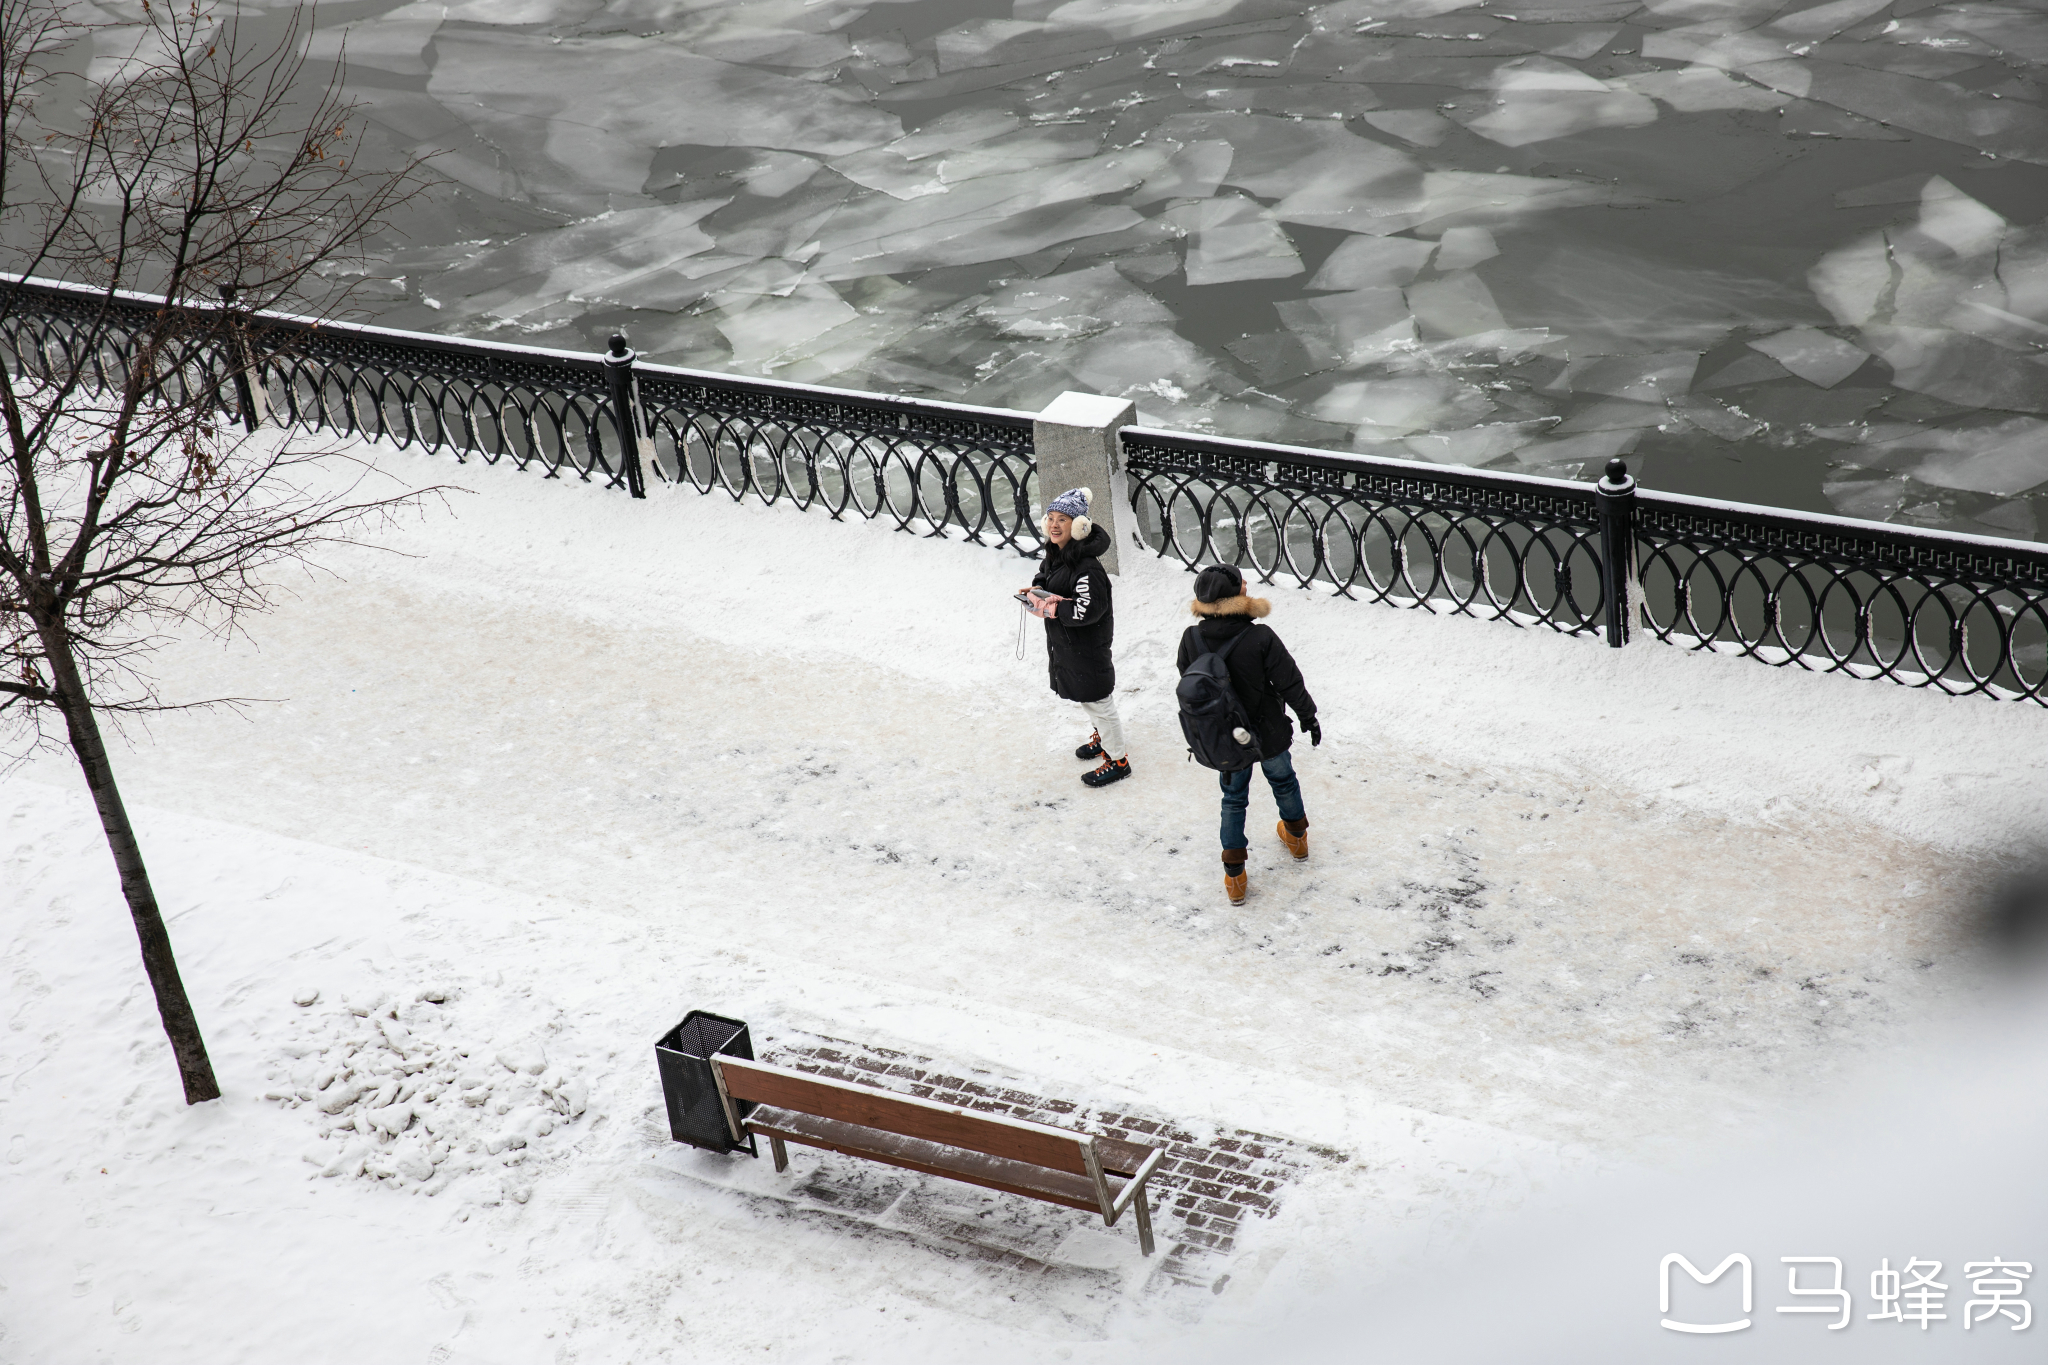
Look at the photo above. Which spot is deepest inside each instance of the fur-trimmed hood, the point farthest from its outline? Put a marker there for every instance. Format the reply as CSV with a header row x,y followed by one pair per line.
x,y
1254,607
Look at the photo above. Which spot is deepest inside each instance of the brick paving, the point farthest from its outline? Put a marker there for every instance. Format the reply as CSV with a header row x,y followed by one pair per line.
x,y
1204,1193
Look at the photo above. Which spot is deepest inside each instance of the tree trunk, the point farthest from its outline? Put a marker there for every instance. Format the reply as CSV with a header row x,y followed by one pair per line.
x,y
181,1026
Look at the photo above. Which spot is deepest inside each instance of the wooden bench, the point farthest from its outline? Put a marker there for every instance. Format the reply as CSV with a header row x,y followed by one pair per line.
x,y
1077,1170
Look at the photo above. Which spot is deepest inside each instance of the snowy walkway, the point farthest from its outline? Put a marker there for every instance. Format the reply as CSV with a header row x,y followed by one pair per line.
x,y
583,765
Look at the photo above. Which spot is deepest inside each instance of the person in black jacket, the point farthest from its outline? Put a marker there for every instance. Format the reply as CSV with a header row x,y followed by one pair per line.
x,y
1264,676
1074,599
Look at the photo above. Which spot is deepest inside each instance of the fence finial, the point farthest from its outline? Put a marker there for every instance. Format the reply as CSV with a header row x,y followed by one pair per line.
x,y
618,366
1617,499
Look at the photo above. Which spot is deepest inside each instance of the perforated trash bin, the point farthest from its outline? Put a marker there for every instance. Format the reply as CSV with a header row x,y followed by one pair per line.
x,y
683,1054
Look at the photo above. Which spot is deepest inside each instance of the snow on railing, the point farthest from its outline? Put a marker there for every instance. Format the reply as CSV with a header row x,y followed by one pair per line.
x,y
1925,608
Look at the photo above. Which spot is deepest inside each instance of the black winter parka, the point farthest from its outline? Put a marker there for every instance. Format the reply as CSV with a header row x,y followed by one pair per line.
x,y
1261,670
1079,633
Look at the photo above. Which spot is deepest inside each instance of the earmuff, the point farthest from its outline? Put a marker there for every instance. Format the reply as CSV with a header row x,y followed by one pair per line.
x,y
1082,525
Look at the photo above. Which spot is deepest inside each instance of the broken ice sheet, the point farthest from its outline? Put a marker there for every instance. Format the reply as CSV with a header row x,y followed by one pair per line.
x,y
916,166
762,329
1127,19
1423,127
1716,417
2010,305
1961,368
2008,128
1233,238
2004,457
597,107
1813,355
1903,189
1077,303
1609,300
1461,248
986,219
1362,262
1470,198
1808,118
634,258
1643,378
1957,221
1614,414
1191,171
1543,99
1397,407
1869,499
1558,454
1743,370
1698,88
1454,305
1353,328
517,13
1322,175
1814,23
394,41
1134,362
1476,445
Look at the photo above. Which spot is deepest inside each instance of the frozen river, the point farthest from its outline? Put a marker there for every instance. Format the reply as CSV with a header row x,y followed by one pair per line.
x,y
1782,254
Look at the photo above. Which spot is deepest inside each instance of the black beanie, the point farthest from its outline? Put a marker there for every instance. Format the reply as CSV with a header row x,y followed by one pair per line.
x,y
1217,582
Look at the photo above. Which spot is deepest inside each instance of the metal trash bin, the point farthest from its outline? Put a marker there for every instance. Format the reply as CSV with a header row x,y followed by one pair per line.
x,y
683,1053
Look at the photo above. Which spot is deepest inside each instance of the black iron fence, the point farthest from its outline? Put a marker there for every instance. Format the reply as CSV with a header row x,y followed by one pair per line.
x,y
938,468
1961,614
1957,613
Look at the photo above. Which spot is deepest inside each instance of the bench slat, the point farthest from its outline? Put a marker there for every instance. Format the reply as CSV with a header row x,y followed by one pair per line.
x,y
1120,1158
989,1134
932,1158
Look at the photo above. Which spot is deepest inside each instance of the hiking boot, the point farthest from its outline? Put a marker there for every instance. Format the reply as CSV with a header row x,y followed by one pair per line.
x,y
1092,749
1112,770
1294,834
1235,883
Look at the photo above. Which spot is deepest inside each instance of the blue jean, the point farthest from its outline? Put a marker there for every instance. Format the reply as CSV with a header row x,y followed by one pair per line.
x,y
1237,795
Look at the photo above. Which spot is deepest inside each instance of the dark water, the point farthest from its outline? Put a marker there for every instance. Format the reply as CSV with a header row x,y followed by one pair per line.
x,y
1781,254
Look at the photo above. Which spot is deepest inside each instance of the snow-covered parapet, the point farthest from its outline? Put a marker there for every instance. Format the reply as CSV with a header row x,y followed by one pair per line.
x,y
1075,440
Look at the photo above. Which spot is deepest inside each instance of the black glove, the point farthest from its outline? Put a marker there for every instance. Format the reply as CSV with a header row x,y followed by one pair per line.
x,y
1315,732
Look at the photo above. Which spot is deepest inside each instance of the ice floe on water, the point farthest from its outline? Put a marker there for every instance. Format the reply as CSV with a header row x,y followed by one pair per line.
x,y
1413,221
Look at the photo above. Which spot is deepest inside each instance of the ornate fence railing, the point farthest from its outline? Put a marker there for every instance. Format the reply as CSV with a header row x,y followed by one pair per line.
x,y
1408,534
1957,613
939,468
1960,614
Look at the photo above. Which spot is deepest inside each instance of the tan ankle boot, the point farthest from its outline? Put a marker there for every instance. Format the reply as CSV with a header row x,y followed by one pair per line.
x,y
1235,883
1294,834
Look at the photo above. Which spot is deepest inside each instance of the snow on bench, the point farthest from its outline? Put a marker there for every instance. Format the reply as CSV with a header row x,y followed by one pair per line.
x,y
1056,1165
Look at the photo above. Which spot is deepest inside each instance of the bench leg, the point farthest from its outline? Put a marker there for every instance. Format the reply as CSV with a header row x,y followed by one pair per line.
x,y
781,1153
1142,1206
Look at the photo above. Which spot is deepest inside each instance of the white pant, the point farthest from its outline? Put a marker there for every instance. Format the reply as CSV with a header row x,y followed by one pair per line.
x,y
1102,715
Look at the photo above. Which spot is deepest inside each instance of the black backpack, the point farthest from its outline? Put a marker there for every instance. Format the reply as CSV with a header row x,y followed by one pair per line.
x,y
1211,715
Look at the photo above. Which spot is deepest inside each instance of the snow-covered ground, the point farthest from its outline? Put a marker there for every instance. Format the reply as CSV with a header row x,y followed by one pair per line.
x,y
570,766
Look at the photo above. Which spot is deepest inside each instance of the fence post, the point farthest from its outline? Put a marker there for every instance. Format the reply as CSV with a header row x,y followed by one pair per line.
x,y
1616,492
238,358
1075,440
618,366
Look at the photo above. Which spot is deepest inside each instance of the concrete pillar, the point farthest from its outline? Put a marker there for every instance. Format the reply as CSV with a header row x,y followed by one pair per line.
x,y
1077,447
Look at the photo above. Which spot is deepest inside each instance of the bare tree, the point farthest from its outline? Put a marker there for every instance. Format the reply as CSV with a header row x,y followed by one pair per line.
x,y
197,165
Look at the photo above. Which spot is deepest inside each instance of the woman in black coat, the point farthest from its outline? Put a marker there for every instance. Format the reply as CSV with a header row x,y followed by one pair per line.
x,y
1071,591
